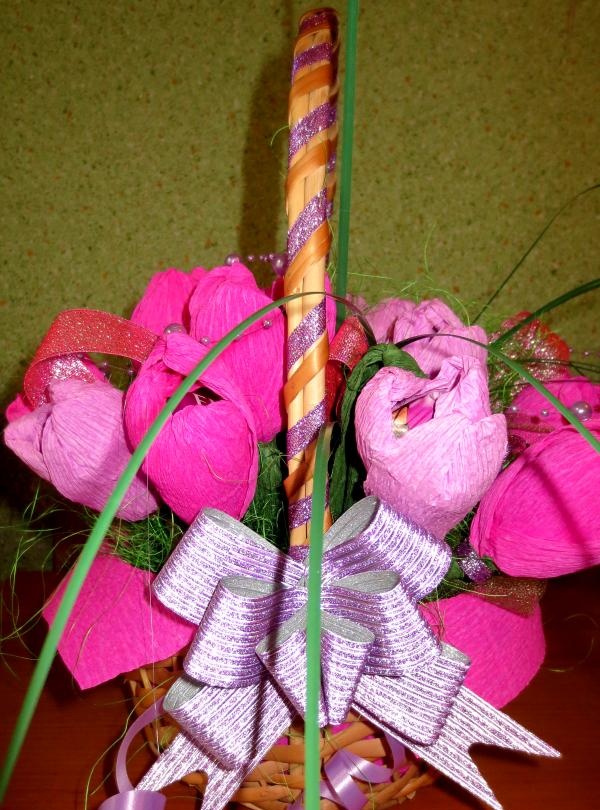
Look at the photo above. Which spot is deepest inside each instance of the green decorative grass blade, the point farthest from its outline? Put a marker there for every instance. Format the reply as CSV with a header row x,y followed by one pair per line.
x,y
556,302
341,276
531,247
541,388
312,738
97,535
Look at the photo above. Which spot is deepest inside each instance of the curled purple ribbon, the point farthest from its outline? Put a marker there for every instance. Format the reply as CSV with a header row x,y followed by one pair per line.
x,y
245,674
128,798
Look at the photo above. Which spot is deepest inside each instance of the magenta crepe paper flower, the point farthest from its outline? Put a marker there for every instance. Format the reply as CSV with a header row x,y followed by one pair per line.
x,y
436,470
207,453
207,305
76,441
116,624
531,416
506,649
395,320
165,300
541,518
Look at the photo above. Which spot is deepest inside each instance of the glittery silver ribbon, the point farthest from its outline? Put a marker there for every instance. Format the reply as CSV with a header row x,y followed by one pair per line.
x,y
245,671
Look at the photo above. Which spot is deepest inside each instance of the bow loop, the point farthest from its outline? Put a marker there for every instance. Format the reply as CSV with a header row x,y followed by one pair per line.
x,y
218,719
403,640
217,546
345,648
283,654
240,613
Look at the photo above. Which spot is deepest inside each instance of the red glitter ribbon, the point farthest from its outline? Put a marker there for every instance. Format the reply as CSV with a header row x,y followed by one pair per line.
x,y
77,332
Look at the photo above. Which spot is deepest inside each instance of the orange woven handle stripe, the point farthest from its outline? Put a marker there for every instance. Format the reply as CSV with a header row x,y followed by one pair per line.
x,y
310,186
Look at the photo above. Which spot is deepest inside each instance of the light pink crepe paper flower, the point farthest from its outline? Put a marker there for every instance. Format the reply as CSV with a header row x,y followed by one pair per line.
x,y
438,469
76,441
207,453
506,649
541,516
395,320
165,300
116,624
531,416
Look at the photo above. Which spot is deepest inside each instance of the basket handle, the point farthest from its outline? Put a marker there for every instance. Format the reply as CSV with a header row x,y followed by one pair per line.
x,y
309,193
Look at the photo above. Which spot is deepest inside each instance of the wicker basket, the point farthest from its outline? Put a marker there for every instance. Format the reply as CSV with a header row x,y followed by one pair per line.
x,y
279,780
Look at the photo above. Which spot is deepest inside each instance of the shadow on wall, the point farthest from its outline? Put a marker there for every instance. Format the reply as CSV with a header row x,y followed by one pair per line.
x,y
264,166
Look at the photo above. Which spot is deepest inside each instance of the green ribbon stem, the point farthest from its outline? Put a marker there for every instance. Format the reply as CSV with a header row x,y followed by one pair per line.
x,y
312,737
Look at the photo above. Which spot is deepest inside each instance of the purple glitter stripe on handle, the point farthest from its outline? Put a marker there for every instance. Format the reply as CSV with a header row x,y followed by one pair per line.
x,y
307,127
308,331
315,20
299,511
312,215
319,53
305,430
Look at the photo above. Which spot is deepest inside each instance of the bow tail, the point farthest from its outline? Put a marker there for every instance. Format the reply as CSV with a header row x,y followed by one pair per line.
x,y
471,720
185,755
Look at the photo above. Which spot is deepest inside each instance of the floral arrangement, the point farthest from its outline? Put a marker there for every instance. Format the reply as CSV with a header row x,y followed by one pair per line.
x,y
431,438
457,484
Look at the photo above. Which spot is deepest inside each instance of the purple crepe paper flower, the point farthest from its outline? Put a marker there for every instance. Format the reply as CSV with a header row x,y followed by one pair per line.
x,y
436,467
76,441
207,305
506,649
541,518
395,320
207,453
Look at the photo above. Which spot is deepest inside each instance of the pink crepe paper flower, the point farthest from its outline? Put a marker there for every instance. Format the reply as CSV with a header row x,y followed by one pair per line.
x,y
438,468
506,649
207,305
116,624
541,518
207,453
531,416
76,441
395,320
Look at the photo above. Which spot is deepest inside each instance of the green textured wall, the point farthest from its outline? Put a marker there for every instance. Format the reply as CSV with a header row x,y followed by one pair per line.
x,y
137,136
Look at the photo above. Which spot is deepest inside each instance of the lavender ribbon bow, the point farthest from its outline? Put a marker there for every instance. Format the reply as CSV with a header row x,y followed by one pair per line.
x,y
245,671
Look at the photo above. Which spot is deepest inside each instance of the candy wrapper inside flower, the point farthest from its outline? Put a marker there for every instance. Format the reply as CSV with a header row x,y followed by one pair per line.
x,y
396,320
76,441
430,447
